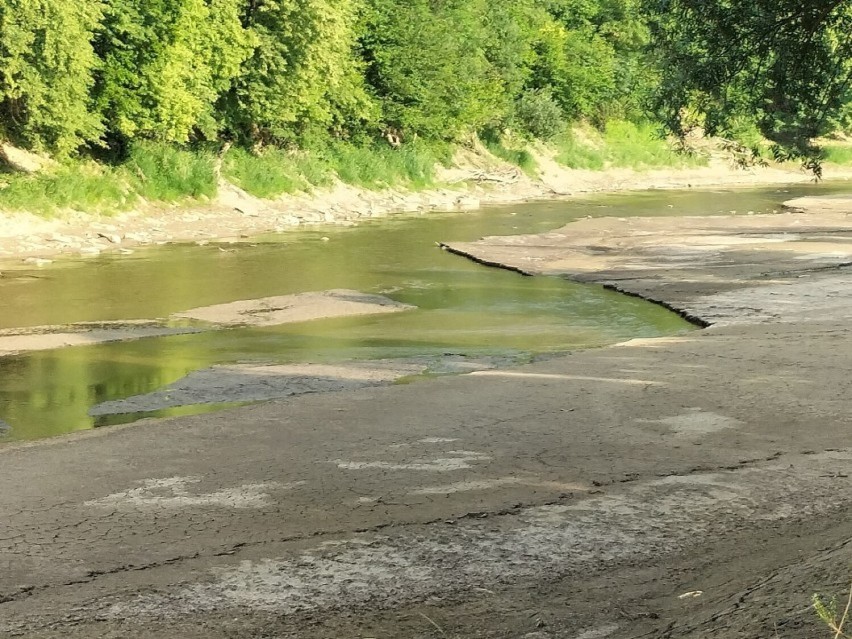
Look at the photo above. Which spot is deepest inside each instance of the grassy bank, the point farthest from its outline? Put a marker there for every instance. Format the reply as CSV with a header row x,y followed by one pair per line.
x,y
159,173
620,145
154,173
276,172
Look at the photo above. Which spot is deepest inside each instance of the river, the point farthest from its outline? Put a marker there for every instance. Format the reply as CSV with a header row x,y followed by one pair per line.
x,y
465,312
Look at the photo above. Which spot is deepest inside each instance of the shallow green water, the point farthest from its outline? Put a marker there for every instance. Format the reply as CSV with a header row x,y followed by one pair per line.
x,y
463,308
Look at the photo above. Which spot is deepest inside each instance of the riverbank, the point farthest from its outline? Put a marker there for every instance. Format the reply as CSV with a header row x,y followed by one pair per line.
x,y
690,486
476,179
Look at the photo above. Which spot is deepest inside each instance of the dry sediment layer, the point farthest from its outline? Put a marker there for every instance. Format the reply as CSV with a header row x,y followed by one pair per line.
x,y
689,487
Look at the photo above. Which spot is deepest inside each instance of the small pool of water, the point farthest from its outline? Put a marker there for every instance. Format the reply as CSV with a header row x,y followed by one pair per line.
x,y
462,308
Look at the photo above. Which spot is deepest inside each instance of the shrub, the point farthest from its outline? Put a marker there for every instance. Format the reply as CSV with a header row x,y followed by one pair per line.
x,y
538,115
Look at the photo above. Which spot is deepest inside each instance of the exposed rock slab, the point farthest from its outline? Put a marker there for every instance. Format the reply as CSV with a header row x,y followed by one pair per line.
x,y
249,382
301,307
253,382
715,270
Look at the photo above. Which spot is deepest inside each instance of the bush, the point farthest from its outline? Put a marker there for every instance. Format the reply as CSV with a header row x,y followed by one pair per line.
x,y
538,115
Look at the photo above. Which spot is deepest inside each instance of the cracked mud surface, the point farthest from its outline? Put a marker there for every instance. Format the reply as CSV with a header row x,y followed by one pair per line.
x,y
687,487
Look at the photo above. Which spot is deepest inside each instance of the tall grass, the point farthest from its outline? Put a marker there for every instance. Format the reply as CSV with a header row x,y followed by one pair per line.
x,y
620,145
377,166
167,173
521,158
373,166
155,172
84,187
838,153
266,176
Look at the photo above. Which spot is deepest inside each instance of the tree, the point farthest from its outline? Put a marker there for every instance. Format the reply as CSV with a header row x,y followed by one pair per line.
x,y
428,65
303,76
46,66
166,63
787,63
589,54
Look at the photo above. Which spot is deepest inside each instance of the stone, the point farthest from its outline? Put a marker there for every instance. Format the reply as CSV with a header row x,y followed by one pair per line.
x,y
467,203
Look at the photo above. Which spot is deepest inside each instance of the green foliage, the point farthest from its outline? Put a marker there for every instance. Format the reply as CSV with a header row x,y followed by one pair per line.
x,y
510,44
521,158
590,54
537,115
622,145
576,154
427,64
153,171
786,63
275,172
303,76
162,172
838,153
744,131
830,614
306,89
46,64
82,187
378,165
165,63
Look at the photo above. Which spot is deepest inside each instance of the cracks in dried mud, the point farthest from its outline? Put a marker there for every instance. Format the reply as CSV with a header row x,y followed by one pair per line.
x,y
512,510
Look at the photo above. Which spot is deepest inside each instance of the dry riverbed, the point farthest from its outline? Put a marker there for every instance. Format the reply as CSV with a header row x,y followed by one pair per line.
x,y
692,486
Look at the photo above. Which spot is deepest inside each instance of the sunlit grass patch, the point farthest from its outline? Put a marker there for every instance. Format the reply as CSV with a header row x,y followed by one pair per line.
x,y
266,175
166,173
838,153
81,187
377,165
520,157
621,145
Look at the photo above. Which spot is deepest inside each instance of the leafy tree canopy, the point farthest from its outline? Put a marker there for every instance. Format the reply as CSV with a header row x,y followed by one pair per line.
x,y
165,63
46,66
428,64
303,75
786,62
